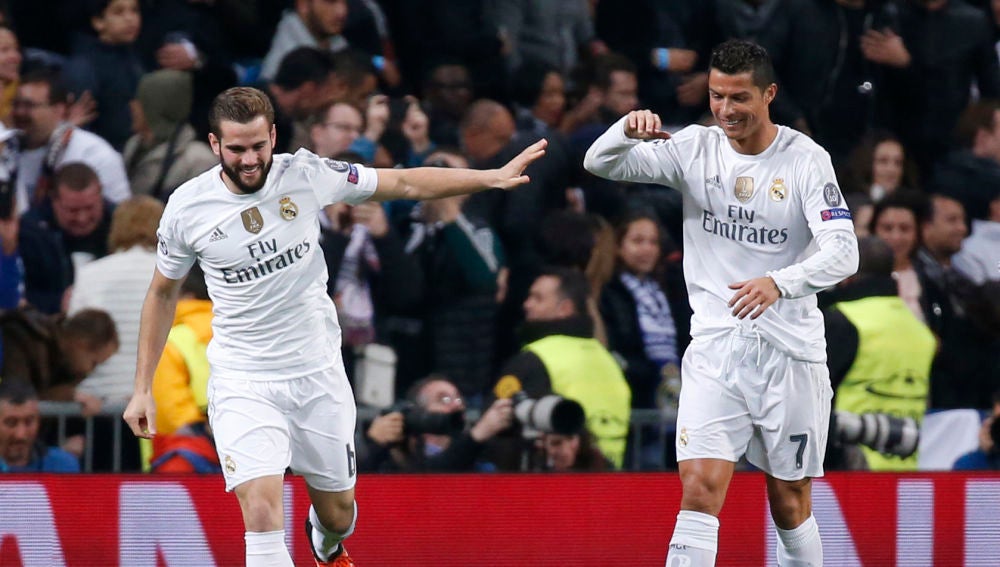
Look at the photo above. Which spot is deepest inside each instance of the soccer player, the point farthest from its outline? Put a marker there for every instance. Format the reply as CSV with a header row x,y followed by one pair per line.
x,y
765,228
278,394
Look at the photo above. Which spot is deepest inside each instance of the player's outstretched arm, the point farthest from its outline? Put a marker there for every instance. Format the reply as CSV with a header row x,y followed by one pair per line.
x,y
154,326
423,183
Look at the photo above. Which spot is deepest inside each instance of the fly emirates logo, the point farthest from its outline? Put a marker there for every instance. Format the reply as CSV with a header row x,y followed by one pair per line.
x,y
265,261
739,226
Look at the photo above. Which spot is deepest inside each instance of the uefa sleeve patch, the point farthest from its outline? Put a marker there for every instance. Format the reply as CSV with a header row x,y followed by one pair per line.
x,y
352,174
834,214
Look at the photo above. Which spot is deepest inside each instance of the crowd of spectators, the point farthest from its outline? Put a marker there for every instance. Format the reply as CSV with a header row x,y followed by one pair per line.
x,y
572,284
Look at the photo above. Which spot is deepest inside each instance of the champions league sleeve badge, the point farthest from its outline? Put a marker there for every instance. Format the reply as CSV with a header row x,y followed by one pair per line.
x,y
288,209
831,194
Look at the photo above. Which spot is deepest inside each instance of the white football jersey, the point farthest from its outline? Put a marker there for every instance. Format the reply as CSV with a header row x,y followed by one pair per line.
x,y
777,213
260,253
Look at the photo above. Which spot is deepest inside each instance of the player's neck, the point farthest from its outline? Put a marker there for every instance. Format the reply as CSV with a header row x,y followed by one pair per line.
x,y
758,142
233,187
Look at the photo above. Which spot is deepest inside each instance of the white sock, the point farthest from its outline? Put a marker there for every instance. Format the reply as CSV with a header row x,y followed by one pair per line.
x,y
267,549
801,546
695,541
324,541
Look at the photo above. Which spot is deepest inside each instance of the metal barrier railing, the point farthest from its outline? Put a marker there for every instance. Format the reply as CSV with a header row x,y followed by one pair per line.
x,y
640,421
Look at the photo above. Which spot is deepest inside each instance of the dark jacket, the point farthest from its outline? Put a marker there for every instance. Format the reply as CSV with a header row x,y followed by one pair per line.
x,y
31,352
966,369
111,73
970,180
621,319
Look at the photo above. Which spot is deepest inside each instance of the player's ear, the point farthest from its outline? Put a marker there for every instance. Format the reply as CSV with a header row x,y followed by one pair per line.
x,y
214,142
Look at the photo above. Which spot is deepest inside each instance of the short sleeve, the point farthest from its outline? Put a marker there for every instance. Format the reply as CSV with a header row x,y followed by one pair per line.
x,y
335,181
174,256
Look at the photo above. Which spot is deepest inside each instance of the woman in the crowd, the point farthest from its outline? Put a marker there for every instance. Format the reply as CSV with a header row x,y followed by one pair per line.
x,y
880,166
896,220
10,66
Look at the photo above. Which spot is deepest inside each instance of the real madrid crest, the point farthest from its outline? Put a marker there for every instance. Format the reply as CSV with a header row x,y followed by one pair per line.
x,y
744,188
778,190
683,441
289,210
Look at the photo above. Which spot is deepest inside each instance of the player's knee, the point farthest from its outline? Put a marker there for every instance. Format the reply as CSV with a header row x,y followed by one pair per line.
x,y
337,516
702,494
261,515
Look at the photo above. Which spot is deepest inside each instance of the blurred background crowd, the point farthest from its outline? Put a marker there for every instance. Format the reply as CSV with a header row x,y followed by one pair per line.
x,y
571,285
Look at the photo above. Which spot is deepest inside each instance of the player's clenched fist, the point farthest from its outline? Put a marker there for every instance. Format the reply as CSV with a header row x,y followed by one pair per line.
x,y
644,125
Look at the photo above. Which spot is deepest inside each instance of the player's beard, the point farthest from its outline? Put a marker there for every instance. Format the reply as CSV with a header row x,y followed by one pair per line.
x,y
234,176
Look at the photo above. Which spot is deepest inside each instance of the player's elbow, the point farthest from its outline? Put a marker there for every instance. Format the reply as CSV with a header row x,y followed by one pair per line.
x,y
847,250
594,164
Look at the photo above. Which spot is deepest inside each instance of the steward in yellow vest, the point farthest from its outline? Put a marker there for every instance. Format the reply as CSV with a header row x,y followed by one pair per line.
x,y
879,353
561,356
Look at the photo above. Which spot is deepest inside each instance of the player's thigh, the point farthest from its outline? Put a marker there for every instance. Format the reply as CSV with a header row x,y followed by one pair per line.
x,y
792,418
322,432
250,430
713,421
261,503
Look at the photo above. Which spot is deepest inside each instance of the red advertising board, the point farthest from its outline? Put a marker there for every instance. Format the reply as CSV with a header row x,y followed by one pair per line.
x,y
880,520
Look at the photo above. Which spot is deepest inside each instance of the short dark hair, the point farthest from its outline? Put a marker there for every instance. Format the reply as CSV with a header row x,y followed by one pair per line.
x,y
915,202
573,286
58,93
302,65
566,238
96,8
352,66
977,116
241,105
527,82
17,391
876,257
737,56
609,63
94,327
75,176
194,283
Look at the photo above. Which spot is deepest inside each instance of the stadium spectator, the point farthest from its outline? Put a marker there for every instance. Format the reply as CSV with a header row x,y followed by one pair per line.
x,y
183,441
165,150
311,23
334,128
967,367
979,258
54,353
48,142
928,83
878,352
447,94
554,33
879,166
117,284
21,451
10,71
303,83
971,172
394,444
106,65
862,211
572,453
560,356
896,220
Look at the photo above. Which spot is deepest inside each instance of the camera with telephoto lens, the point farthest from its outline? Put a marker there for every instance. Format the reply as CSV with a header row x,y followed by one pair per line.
x,y
887,434
549,414
417,420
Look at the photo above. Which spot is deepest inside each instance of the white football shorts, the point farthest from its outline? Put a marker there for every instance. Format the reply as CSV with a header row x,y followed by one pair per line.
x,y
740,395
262,427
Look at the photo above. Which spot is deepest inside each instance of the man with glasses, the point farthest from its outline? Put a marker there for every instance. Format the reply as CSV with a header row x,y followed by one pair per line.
x,y
415,438
334,128
49,140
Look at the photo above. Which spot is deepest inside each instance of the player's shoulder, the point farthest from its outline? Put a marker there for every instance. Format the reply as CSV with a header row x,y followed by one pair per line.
x,y
308,163
795,143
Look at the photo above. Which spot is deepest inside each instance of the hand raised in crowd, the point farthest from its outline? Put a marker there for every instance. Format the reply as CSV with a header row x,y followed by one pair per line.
x,y
372,216
512,174
387,429
140,415
82,110
498,417
885,48
376,117
753,297
644,125
679,60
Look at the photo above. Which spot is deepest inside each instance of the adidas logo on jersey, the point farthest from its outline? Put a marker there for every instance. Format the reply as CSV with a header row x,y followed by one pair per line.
x,y
217,235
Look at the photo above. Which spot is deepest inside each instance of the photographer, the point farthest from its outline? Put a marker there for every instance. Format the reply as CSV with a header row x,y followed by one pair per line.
x,y
427,432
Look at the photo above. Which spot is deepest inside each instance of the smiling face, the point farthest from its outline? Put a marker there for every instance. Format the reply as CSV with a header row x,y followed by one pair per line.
x,y
741,109
639,249
887,165
10,55
245,153
897,226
